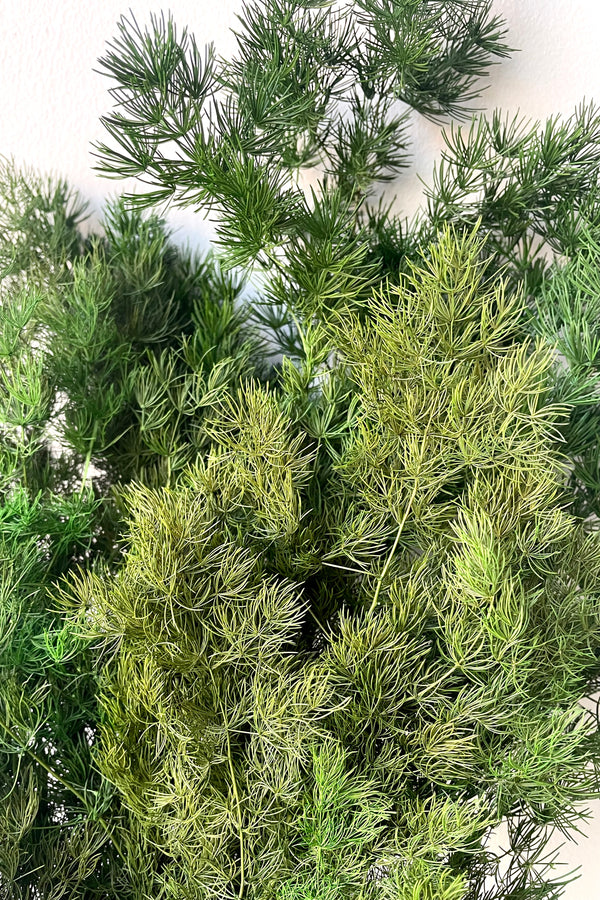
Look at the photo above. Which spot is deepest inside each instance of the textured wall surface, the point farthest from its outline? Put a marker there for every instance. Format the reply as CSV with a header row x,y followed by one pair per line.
x,y
51,100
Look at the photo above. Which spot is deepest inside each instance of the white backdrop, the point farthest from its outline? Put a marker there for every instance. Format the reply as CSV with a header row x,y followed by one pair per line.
x,y
51,101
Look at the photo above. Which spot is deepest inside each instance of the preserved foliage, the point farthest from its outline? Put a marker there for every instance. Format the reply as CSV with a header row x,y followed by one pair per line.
x,y
299,595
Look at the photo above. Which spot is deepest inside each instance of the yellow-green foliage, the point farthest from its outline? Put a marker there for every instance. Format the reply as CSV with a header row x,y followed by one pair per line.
x,y
335,663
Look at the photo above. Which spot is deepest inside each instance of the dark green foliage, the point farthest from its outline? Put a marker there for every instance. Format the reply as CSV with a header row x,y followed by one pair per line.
x,y
121,346
532,187
337,663
311,84
567,313
40,221
155,336
54,832
88,329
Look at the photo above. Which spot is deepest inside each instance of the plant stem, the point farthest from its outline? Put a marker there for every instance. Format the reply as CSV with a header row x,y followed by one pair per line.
x,y
88,459
239,816
23,443
394,548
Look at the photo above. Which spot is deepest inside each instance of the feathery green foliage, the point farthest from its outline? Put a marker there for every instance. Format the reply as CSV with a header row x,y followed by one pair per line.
x,y
532,187
311,84
88,327
314,92
289,144
347,634
121,345
567,313
336,664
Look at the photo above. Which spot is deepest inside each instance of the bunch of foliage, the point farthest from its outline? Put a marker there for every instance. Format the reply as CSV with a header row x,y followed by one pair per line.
x,y
567,314
356,607
290,143
353,641
321,94
133,337
87,327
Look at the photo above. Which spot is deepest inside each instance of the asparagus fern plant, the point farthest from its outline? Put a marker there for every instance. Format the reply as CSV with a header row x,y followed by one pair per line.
x,y
324,618
88,327
354,639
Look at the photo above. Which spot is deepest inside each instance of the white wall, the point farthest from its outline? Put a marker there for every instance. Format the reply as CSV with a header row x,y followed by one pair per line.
x,y
51,100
